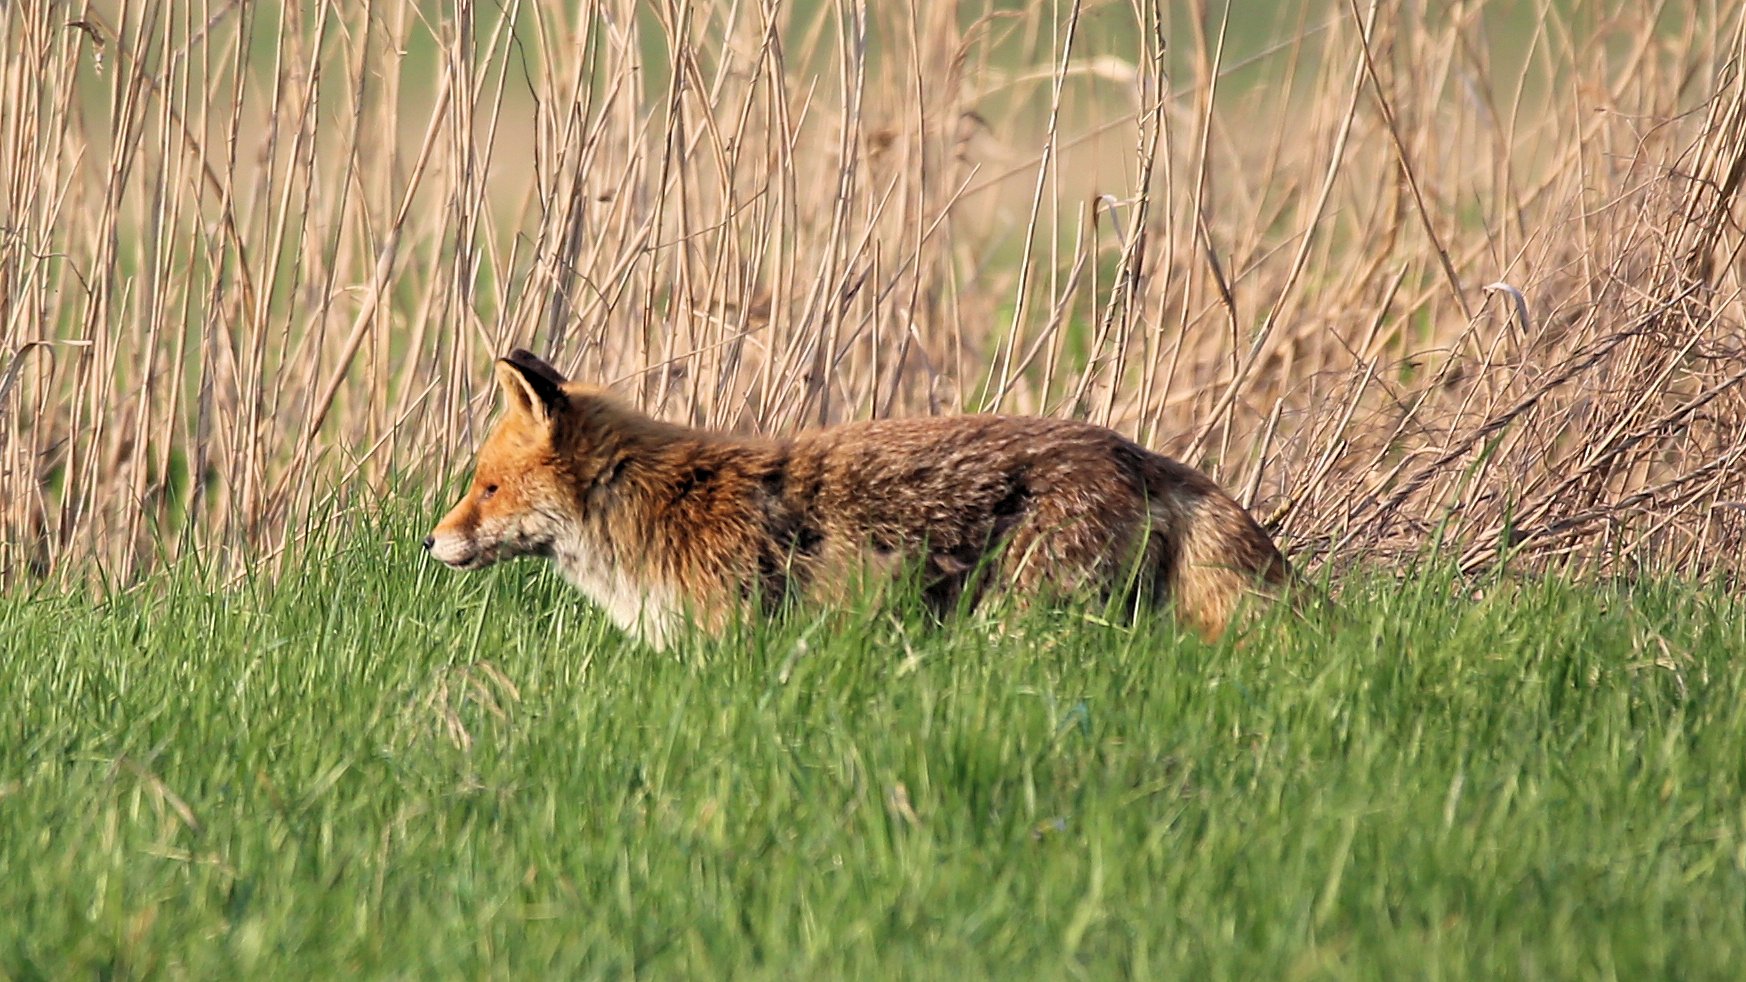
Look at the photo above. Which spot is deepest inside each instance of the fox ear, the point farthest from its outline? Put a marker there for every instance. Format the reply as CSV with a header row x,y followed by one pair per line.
x,y
531,385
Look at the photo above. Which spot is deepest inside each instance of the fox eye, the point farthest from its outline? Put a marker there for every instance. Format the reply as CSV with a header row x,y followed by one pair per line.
x,y
490,489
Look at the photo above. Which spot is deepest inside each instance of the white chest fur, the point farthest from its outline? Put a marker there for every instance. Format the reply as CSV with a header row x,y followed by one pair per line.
x,y
642,609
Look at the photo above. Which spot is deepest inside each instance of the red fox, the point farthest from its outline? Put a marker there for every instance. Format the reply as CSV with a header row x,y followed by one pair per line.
x,y
659,523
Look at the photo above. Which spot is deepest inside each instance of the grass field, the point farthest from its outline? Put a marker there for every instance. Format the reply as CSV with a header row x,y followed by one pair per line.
x,y
380,767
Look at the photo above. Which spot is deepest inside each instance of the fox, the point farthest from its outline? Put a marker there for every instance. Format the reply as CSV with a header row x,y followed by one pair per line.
x,y
664,526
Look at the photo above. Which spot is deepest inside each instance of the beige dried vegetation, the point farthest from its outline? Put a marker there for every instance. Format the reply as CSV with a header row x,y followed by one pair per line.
x,y
1397,277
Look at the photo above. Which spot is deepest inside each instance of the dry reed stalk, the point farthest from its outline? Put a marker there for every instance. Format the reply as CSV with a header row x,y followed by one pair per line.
x,y
254,261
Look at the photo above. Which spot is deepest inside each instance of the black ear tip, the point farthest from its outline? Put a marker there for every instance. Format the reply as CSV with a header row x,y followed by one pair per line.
x,y
530,364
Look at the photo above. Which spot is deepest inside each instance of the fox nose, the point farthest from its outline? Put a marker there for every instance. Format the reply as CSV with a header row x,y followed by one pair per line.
x,y
429,540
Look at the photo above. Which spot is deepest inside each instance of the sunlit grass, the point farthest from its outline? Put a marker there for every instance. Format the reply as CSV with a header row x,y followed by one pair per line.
x,y
386,767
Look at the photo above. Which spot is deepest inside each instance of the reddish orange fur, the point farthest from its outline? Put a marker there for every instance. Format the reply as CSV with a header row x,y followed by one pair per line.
x,y
656,522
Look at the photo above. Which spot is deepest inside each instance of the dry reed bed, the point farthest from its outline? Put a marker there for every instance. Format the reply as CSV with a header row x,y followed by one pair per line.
x,y
253,268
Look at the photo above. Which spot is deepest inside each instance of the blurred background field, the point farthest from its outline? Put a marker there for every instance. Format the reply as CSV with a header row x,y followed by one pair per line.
x,y
1397,274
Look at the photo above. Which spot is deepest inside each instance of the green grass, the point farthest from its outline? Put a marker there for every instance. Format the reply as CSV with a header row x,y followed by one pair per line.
x,y
383,768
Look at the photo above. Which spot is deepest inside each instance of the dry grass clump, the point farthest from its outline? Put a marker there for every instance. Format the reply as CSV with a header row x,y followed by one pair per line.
x,y
253,262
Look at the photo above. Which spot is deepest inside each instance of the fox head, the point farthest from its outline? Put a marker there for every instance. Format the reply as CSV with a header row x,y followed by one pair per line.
x,y
523,498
